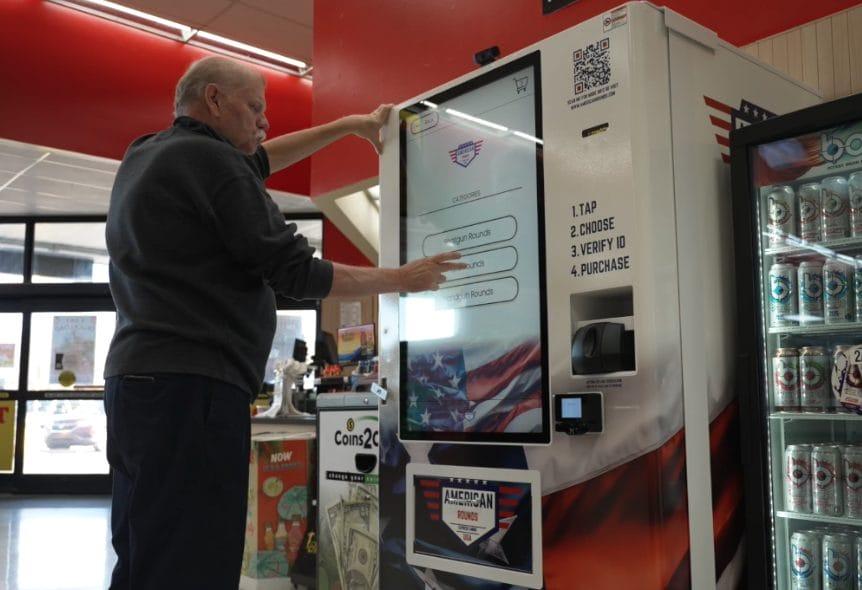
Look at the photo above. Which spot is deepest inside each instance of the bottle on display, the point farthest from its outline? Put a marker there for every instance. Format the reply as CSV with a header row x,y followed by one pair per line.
x,y
815,394
837,553
827,490
805,570
785,380
781,210
810,288
809,212
280,536
854,184
783,301
797,478
835,205
837,279
852,468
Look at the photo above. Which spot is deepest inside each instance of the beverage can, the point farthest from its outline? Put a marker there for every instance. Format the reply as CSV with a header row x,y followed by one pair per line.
x,y
835,207
857,288
854,184
805,571
837,279
852,468
810,288
781,213
797,478
785,380
782,295
809,212
827,493
837,557
858,545
814,391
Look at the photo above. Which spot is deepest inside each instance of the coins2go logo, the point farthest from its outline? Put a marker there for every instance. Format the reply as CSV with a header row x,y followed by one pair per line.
x,y
366,438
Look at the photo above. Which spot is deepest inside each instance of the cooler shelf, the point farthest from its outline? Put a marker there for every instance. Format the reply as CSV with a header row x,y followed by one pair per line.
x,y
788,416
798,247
819,518
819,329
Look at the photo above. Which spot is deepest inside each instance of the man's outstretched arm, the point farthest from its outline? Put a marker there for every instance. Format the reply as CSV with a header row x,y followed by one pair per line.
x,y
424,274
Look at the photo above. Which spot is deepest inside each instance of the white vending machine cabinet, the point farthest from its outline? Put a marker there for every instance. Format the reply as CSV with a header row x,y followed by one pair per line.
x,y
585,182
348,509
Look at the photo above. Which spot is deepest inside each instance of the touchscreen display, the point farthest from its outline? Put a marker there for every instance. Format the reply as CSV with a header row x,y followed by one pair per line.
x,y
473,352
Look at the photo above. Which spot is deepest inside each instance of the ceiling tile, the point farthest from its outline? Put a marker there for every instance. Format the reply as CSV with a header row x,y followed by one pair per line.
x,y
299,11
265,30
196,13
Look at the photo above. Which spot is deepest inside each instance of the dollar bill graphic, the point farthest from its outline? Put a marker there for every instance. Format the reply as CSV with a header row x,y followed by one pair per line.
x,y
362,562
335,518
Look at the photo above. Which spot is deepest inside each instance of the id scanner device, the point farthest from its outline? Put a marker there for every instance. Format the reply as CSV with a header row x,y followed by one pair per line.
x,y
579,413
603,347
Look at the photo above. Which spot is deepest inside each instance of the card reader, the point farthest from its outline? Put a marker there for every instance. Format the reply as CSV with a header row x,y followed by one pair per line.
x,y
579,413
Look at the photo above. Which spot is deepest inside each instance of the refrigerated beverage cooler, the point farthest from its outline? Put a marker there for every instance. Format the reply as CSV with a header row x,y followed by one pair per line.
x,y
797,201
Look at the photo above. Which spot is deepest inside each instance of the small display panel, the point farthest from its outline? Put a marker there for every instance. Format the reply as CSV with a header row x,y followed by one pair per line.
x,y
474,353
475,521
572,408
355,344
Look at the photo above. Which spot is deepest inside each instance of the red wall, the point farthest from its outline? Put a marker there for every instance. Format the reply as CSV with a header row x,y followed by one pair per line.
x,y
372,51
73,81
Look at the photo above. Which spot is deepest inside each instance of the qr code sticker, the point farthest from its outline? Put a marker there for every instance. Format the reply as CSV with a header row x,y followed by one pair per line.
x,y
592,66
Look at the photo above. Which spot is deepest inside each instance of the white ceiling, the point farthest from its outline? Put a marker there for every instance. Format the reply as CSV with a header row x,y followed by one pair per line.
x,y
37,180
282,26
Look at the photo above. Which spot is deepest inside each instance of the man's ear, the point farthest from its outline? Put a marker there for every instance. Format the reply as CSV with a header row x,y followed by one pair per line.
x,y
213,98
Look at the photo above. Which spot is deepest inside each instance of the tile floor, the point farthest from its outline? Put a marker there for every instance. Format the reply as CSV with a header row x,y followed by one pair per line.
x,y
55,543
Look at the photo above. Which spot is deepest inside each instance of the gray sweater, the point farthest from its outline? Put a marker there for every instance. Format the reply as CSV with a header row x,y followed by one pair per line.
x,y
197,250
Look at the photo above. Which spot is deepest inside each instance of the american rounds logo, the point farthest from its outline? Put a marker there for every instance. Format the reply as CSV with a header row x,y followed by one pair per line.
x,y
836,286
832,148
855,199
833,204
781,289
798,474
802,562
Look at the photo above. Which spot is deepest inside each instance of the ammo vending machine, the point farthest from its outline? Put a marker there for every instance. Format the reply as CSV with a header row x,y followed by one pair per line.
x,y
562,413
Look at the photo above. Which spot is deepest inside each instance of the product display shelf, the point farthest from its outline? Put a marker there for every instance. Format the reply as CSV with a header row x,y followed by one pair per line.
x,y
842,520
798,247
816,329
816,416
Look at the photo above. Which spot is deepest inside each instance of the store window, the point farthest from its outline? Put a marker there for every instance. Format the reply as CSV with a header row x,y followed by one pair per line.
x,y
10,349
70,253
291,325
12,252
312,230
65,436
68,349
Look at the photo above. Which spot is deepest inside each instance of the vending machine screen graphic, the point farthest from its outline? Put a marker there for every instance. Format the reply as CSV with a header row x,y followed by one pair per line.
x,y
473,352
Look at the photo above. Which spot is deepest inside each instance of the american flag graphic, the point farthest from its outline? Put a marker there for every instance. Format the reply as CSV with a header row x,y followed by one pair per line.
x,y
724,118
501,395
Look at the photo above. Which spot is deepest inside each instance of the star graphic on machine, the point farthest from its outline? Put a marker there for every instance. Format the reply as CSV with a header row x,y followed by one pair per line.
x,y
426,417
492,545
438,361
455,380
413,399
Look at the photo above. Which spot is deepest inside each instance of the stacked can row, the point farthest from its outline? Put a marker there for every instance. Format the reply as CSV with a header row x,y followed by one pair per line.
x,y
801,378
816,211
815,292
825,559
823,479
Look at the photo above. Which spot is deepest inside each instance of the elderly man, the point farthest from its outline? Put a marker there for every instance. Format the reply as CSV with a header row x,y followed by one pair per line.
x,y
198,251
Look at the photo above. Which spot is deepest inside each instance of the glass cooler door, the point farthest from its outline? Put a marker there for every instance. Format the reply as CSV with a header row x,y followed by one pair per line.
x,y
807,197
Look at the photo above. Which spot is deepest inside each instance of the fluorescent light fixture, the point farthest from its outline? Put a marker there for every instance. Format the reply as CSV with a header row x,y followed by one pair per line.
x,y
428,104
455,113
186,34
523,135
251,49
184,30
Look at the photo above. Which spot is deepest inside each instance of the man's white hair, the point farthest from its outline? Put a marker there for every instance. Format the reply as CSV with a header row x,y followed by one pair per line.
x,y
209,70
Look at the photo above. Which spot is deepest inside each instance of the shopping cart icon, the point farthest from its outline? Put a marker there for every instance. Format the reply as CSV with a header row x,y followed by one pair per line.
x,y
521,84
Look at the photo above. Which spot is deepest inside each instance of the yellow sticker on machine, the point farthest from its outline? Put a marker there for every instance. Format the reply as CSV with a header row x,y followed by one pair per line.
x,y
7,435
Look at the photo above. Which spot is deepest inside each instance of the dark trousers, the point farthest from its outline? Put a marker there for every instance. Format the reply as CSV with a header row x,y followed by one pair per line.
x,y
178,446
